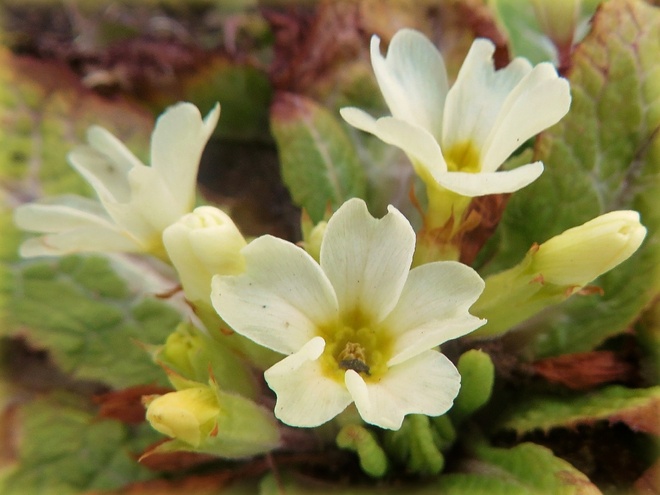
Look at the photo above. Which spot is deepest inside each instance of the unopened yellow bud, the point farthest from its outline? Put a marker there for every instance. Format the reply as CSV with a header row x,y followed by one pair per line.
x,y
579,255
201,244
204,418
189,415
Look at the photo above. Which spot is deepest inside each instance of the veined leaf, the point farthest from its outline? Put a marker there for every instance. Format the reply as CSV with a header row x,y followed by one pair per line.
x,y
319,163
527,469
63,449
638,408
88,318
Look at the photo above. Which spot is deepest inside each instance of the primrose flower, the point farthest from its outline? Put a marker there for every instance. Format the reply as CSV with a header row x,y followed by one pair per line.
x,y
359,326
137,202
457,138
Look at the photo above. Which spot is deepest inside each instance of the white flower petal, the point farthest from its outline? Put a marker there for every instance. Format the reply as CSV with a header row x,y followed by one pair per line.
x,y
110,180
281,299
480,184
78,225
412,78
177,143
305,396
112,148
367,259
359,118
540,100
60,213
107,177
422,149
79,240
433,308
426,384
474,101
420,146
153,207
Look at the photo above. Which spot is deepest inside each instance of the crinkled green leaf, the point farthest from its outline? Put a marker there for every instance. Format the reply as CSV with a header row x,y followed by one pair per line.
x,y
89,319
527,469
319,163
638,408
63,449
604,155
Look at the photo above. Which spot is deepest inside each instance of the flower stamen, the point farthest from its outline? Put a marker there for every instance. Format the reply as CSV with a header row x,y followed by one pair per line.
x,y
353,358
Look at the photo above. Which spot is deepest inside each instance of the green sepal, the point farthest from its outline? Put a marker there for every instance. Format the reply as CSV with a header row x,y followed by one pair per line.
x,y
415,446
193,354
477,379
360,440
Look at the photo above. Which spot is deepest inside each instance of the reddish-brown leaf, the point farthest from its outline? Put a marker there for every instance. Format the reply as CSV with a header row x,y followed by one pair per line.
x,y
585,370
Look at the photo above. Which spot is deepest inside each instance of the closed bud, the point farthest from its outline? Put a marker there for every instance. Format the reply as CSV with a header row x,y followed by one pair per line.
x,y
558,19
201,244
202,418
579,255
188,415
557,269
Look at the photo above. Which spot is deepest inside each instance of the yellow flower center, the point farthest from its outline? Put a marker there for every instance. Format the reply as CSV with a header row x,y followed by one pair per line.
x,y
364,350
463,157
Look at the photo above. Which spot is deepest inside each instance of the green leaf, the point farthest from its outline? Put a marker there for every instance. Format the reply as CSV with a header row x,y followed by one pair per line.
x,y
604,155
319,163
527,469
637,408
88,318
63,449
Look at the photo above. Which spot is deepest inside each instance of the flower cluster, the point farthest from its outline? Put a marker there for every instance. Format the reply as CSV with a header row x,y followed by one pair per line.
x,y
353,323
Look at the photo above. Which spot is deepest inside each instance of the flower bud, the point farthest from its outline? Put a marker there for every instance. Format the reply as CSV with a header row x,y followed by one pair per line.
x,y
188,415
558,19
554,271
205,419
579,255
202,244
